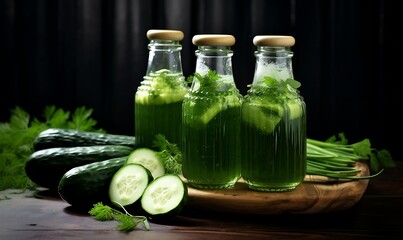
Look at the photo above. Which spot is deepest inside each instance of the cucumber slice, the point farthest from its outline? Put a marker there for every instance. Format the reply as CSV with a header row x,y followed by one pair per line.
x,y
218,106
149,159
128,184
264,118
295,109
233,100
165,196
211,112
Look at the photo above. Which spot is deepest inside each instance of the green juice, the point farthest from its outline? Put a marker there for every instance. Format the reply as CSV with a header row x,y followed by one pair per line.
x,y
273,143
211,117
273,127
156,118
211,142
158,108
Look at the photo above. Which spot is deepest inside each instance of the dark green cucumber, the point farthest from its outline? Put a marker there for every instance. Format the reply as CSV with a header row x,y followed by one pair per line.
x,y
56,137
46,167
85,185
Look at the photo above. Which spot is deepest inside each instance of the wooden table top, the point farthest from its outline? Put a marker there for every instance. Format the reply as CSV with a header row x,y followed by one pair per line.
x,y
378,214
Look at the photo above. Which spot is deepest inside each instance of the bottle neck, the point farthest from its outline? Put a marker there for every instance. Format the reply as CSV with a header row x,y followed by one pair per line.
x,y
216,58
164,54
274,62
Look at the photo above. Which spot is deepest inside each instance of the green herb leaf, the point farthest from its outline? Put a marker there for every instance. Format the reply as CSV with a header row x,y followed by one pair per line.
x,y
56,117
208,82
82,120
281,91
102,212
127,222
385,158
293,83
169,153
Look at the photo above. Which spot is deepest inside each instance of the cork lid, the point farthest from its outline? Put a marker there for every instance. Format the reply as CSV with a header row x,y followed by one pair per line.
x,y
165,34
274,41
213,40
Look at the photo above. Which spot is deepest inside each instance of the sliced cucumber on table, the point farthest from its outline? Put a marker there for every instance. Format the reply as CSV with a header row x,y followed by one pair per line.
x,y
164,196
128,184
149,159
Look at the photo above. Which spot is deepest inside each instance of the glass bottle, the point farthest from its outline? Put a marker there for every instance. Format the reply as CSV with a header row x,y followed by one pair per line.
x,y
158,99
273,127
211,117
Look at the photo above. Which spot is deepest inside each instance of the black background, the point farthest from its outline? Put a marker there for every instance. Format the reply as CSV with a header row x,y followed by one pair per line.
x,y
93,53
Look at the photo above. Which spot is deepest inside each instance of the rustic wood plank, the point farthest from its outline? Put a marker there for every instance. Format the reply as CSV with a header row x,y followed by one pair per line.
x,y
310,197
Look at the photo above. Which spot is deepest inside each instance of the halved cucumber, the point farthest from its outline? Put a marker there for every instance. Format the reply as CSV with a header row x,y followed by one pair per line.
x,y
165,196
149,159
128,184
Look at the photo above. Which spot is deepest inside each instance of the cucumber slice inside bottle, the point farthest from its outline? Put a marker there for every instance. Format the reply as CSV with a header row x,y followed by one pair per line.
x,y
165,196
263,117
216,108
149,159
294,109
128,184
210,113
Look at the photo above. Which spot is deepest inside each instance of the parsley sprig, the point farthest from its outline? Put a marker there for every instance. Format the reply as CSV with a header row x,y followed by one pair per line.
x,y
207,82
127,222
277,90
169,153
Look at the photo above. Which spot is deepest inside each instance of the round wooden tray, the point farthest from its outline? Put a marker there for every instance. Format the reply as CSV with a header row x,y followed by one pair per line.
x,y
316,194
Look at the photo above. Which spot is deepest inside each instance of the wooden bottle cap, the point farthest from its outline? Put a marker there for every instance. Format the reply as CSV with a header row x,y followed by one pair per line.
x,y
213,40
274,41
162,34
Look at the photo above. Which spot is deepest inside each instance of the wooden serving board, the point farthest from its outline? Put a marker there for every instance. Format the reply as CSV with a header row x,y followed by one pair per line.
x,y
314,195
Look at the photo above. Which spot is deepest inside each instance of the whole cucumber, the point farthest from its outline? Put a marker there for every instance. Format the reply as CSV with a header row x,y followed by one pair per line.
x,y
46,167
83,186
56,137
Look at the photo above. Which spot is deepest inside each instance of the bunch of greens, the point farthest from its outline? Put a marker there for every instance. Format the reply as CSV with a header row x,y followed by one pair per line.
x,y
18,135
336,158
277,90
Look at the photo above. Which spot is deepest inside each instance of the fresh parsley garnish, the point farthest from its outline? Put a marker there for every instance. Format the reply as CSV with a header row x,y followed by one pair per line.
x,y
276,90
207,82
169,153
127,222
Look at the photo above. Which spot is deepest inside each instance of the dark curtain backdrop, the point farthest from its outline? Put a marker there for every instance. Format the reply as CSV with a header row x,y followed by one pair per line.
x,y
93,53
